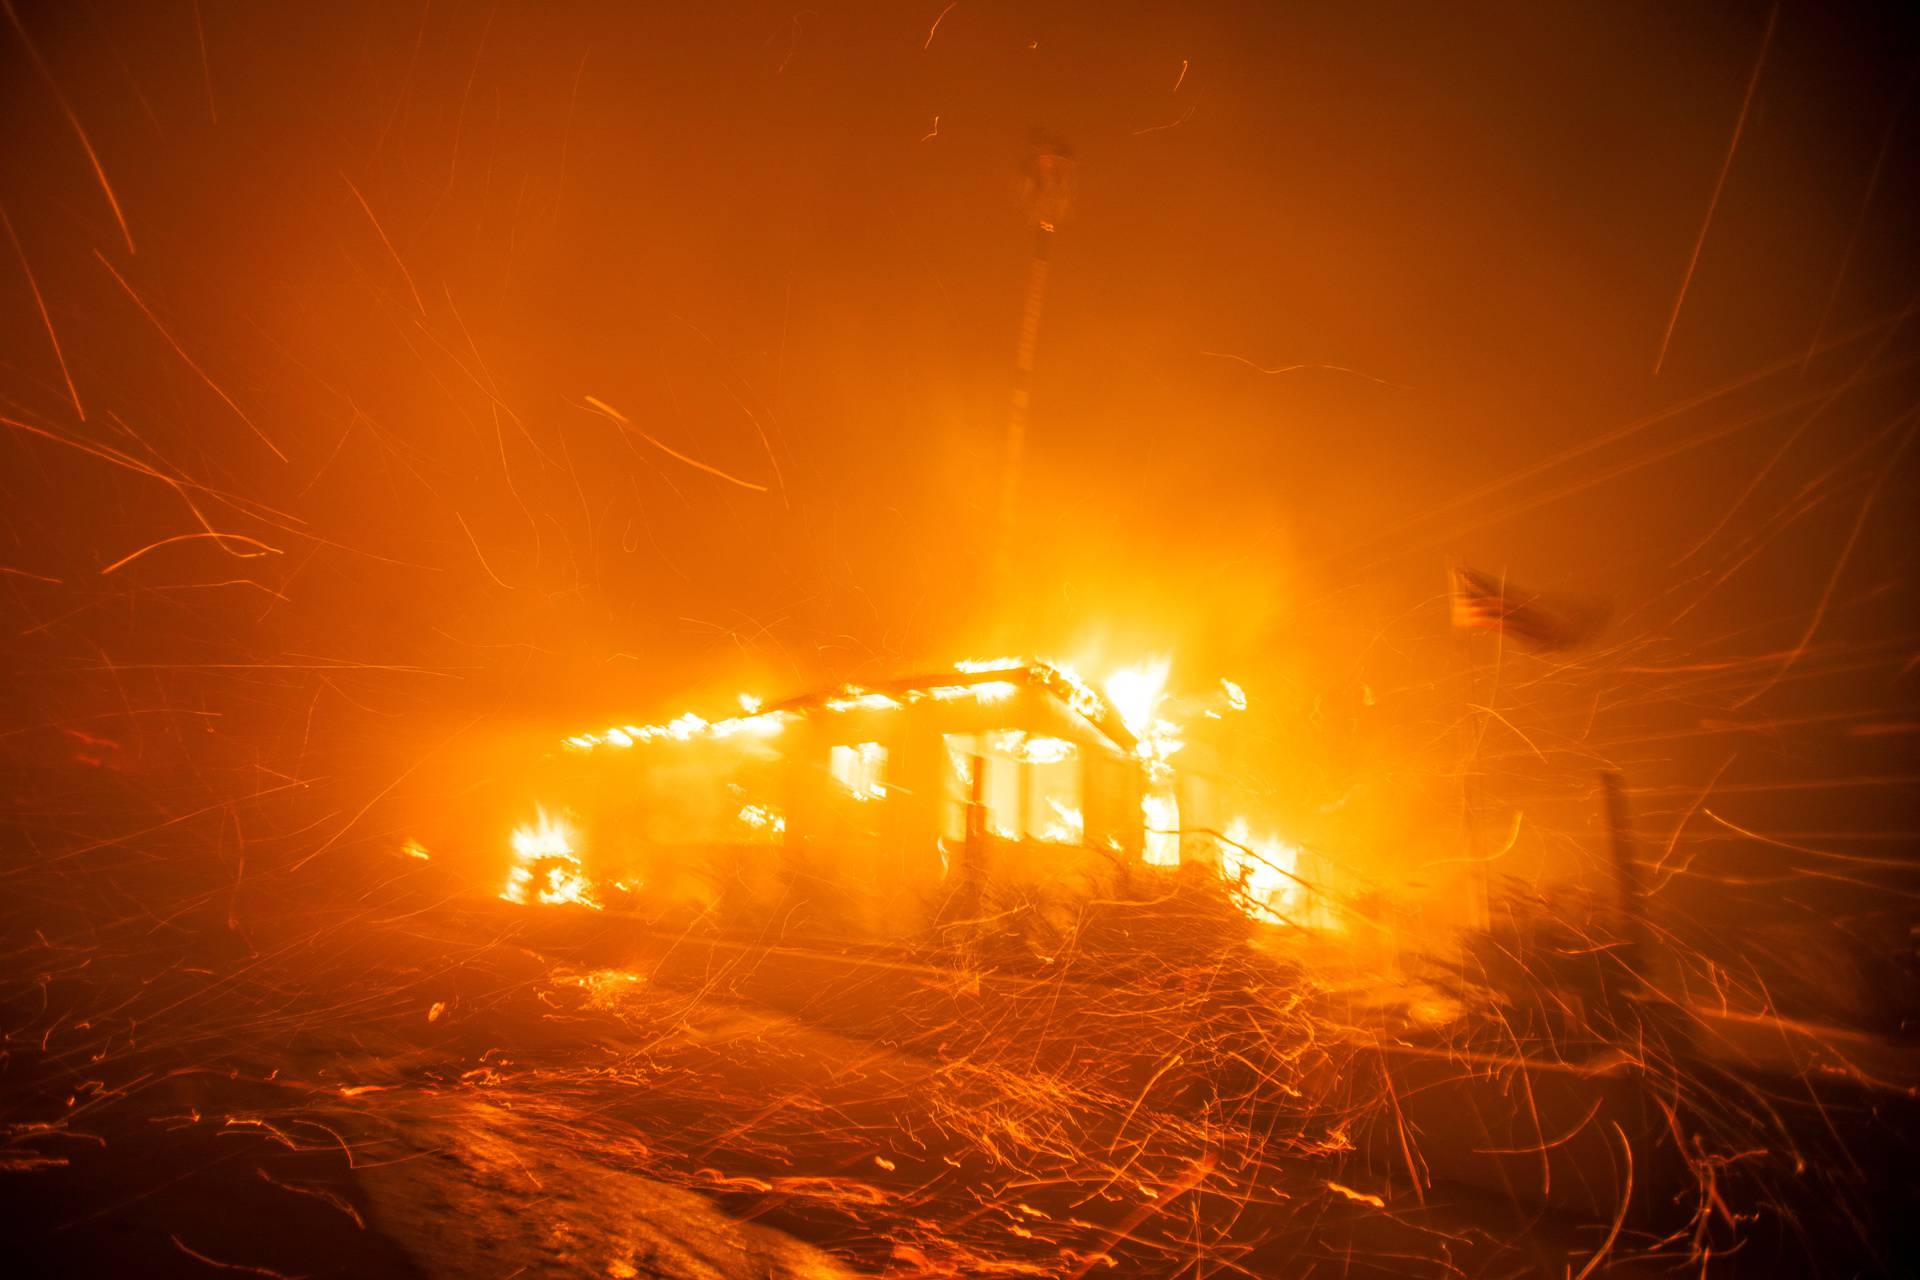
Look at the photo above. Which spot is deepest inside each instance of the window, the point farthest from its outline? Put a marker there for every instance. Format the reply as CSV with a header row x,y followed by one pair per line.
x,y
1030,786
861,768
1160,811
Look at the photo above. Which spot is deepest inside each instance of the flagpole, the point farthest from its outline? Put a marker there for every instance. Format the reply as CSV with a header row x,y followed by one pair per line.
x,y
1472,722
1479,602
1479,896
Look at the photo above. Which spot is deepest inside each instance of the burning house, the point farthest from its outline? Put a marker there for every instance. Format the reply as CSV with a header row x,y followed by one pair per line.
x,y
878,812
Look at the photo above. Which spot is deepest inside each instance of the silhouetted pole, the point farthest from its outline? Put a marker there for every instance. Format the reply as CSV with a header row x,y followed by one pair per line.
x,y
973,855
1473,724
1626,874
1048,190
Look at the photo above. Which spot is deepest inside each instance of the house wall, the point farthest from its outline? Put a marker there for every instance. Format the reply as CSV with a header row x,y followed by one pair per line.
x,y
664,818
887,868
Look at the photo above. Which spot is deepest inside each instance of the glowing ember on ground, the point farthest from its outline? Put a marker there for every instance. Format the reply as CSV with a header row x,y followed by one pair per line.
x,y
546,867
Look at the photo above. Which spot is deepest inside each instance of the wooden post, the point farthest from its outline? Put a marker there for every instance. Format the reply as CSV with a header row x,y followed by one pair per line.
x,y
1473,721
973,857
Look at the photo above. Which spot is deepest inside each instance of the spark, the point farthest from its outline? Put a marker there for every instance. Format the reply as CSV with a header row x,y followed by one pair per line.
x,y
1833,579
566,134
928,42
1171,124
206,67
1358,1197
1296,368
1626,1198
1860,859
318,1193
1196,1173
478,554
406,81
406,275
1866,203
93,157
185,358
382,794
603,407
73,393
1720,182
466,95
220,540
197,1256
1182,78
37,577
1477,498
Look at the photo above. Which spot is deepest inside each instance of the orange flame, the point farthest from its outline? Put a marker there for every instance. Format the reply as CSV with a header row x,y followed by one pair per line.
x,y
546,868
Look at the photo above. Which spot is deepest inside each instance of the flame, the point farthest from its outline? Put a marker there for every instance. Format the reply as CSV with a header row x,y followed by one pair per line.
x,y
1132,694
1256,872
1067,826
546,868
974,666
1135,693
1160,810
857,699
1259,873
683,729
860,768
1236,696
1045,750
762,819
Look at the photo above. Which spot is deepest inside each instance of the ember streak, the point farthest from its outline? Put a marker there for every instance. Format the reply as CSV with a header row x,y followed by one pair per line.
x,y
959,640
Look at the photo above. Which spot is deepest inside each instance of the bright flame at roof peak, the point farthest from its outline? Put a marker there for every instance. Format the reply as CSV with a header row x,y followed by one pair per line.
x,y
1135,692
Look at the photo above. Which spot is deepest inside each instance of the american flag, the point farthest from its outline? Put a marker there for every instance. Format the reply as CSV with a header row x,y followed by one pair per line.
x,y
1481,602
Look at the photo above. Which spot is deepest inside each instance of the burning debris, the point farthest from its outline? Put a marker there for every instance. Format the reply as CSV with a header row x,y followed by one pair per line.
x,y
546,869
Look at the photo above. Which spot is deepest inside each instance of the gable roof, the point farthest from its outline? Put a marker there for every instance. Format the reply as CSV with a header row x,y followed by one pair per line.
x,y
987,681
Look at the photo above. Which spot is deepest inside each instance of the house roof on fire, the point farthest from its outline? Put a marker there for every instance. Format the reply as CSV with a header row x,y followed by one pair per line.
x,y
988,682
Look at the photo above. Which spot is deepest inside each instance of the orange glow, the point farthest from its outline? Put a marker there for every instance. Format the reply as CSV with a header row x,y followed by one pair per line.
x,y
1236,696
861,700
1160,811
1130,701
860,769
1064,825
960,640
762,820
1259,873
547,868
1135,693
